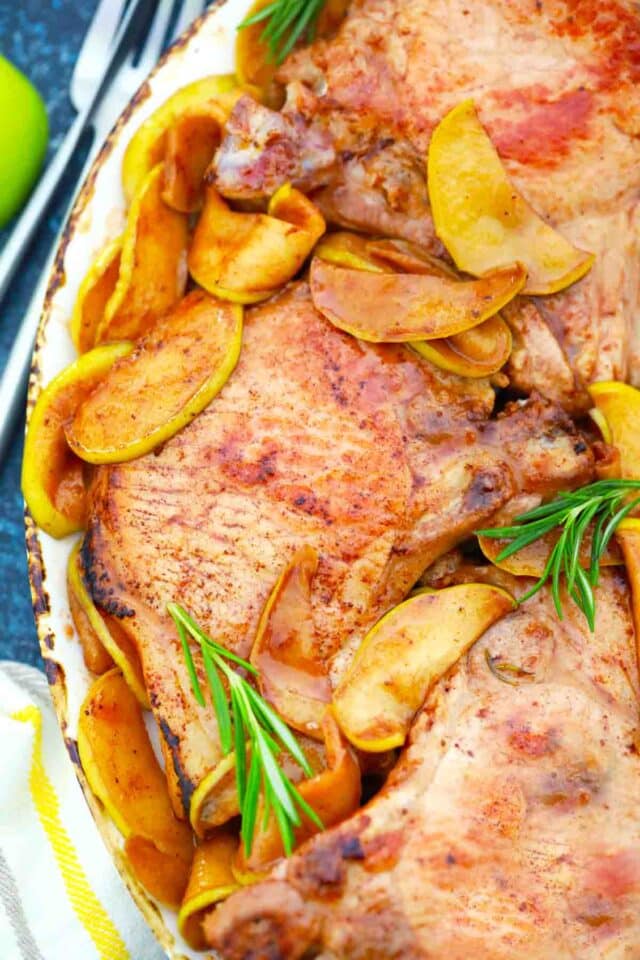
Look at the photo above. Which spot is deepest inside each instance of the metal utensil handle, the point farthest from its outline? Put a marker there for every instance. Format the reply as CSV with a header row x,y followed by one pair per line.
x,y
41,197
16,373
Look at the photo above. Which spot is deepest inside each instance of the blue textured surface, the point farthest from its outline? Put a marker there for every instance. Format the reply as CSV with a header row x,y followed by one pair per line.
x,y
43,40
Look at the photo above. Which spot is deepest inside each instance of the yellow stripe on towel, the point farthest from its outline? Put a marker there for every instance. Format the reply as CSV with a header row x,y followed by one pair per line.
x,y
85,903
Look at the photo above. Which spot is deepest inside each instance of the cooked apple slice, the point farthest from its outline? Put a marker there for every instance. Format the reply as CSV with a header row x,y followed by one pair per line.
x,y
122,770
532,559
346,249
96,657
245,257
211,880
405,653
253,63
600,421
292,677
479,352
174,372
153,269
105,629
211,96
394,308
215,800
94,294
164,874
407,257
481,218
52,475
190,145
253,60
619,404
334,794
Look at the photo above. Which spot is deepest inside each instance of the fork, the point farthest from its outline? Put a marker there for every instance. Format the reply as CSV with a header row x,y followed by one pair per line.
x,y
104,33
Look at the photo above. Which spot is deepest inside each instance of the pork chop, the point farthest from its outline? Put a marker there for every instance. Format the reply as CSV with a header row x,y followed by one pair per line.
x,y
556,84
366,453
509,827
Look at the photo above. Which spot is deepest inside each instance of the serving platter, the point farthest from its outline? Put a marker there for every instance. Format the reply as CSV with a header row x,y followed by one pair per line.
x,y
499,237
98,216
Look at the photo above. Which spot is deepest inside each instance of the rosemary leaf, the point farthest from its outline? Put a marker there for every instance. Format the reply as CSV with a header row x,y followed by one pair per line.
x,y
260,15
247,723
599,506
273,773
188,658
219,699
617,517
273,722
298,30
286,830
287,21
266,813
240,748
249,809
304,806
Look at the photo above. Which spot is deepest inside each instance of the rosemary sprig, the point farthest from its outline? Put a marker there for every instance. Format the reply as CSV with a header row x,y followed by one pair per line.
x,y
600,506
508,672
245,719
287,21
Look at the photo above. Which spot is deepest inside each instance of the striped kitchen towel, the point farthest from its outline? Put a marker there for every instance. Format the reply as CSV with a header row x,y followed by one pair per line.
x,y
61,897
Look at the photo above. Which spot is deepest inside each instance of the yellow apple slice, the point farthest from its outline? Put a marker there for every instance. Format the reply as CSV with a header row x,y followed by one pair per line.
x,y
211,96
482,219
174,372
334,793
153,270
93,296
479,352
190,145
52,475
400,308
245,257
619,404
96,657
252,60
122,770
164,874
291,675
405,653
210,881
215,800
346,249
532,559
407,257
599,419
106,629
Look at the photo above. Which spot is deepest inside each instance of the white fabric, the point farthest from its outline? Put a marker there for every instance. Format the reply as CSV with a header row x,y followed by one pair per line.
x,y
52,859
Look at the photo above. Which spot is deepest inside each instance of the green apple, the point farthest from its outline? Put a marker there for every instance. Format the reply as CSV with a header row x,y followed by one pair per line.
x,y
24,133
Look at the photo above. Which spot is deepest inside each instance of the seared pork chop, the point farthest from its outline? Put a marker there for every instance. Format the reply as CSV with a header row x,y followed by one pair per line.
x,y
508,829
557,85
366,453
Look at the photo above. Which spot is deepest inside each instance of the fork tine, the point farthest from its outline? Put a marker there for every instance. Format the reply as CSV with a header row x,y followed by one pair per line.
x,y
189,10
154,42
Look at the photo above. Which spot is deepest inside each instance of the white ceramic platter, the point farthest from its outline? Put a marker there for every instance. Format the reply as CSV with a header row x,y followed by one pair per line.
x,y
98,216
